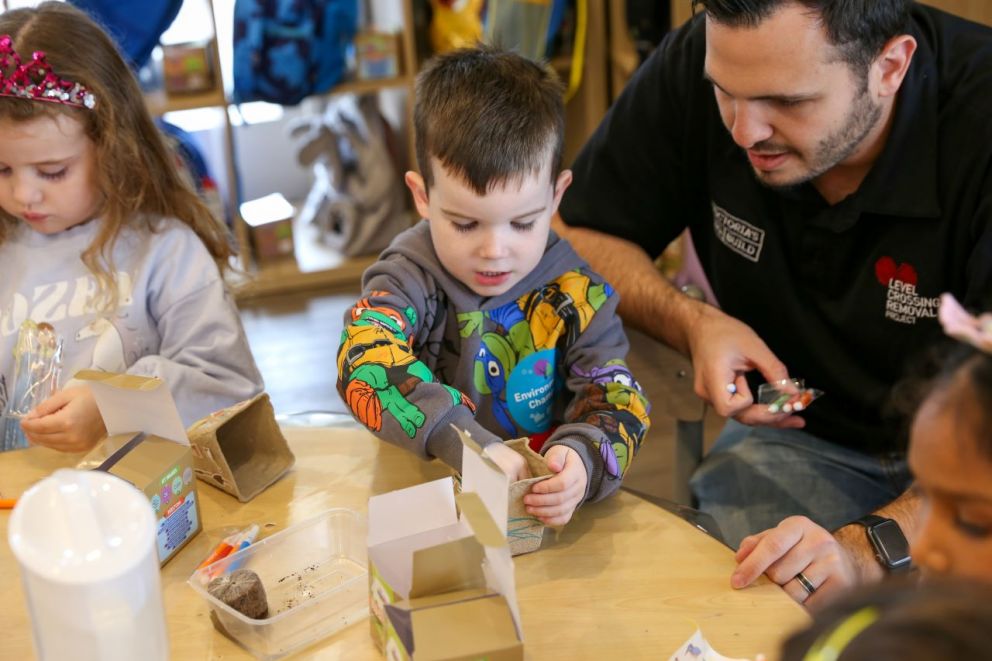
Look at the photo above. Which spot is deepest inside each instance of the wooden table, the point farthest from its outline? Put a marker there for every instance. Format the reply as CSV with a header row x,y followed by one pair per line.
x,y
625,579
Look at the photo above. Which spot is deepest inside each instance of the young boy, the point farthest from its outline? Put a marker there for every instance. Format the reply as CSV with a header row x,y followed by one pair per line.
x,y
481,317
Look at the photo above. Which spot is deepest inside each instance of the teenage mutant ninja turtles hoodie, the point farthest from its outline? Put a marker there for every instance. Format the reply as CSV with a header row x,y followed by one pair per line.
x,y
421,352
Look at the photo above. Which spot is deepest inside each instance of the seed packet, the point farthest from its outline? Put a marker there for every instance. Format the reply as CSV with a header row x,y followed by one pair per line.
x,y
37,369
787,395
697,648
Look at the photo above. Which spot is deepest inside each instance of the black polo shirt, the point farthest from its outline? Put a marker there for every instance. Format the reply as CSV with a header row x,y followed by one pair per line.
x,y
845,295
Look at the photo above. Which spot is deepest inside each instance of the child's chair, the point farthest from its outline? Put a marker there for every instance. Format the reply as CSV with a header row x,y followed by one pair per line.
x,y
666,377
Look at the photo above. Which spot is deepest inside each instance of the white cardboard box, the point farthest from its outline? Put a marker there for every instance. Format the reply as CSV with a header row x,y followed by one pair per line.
x,y
441,581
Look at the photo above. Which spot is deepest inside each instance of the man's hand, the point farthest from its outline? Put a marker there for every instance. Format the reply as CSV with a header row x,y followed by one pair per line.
x,y
554,500
723,350
512,462
68,421
798,545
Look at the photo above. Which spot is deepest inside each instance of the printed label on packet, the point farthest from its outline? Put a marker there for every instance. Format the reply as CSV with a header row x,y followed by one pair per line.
x,y
175,527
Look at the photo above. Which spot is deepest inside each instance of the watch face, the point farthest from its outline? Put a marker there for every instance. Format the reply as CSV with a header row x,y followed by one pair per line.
x,y
891,544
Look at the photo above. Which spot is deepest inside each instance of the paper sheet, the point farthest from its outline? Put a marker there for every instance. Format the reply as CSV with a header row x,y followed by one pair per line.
x,y
697,648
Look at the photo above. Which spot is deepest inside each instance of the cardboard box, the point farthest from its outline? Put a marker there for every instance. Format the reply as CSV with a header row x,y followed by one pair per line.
x,y
525,531
240,449
270,222
187,68
147,446
440,572
377,55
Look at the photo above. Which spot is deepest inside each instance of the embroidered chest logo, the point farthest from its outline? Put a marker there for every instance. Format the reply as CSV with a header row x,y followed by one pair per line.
x,y
903,304
739,235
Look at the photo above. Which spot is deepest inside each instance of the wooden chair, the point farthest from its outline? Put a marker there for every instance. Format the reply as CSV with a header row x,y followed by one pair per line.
x,y
666,377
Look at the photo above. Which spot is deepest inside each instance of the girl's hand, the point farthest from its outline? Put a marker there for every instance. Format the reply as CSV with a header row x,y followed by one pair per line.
x,y
68,421
554,500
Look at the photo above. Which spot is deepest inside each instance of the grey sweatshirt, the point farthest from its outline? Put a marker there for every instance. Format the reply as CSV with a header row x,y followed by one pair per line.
x,y
174,319
421,351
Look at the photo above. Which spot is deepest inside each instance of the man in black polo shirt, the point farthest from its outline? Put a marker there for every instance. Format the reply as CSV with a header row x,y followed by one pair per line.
x,y
833,163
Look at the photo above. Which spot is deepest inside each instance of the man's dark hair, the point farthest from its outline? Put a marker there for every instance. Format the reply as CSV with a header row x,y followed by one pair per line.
x,y
489,116
858,28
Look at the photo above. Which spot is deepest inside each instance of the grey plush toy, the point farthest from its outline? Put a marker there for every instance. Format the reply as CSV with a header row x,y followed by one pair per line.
x,y
356,201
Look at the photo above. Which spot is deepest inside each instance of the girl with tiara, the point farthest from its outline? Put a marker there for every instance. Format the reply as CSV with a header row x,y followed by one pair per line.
x,y
102,242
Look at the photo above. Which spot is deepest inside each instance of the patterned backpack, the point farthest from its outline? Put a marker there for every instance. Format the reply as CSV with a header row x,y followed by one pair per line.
x,y
286,50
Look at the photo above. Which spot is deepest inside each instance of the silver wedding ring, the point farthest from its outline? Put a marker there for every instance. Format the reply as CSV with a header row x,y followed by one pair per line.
x,y
803,581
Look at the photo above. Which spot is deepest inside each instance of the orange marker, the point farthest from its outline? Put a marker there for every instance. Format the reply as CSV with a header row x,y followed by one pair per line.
x,y
245,538
222,550
7,503
804,401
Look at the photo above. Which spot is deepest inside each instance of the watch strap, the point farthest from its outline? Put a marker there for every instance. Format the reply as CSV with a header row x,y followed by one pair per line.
x,y
870,520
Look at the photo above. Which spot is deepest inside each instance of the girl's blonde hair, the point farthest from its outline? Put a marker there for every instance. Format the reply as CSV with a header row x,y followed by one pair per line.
x,y
136,172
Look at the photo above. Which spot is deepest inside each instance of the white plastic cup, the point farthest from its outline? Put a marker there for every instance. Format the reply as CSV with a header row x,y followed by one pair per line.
x,y
85,541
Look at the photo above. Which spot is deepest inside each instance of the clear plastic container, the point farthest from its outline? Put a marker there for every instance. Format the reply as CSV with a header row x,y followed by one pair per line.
x,y
315,576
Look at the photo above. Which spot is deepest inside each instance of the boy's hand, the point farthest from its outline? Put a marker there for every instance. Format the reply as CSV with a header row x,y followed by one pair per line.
x,y
554,500
512,462
68,421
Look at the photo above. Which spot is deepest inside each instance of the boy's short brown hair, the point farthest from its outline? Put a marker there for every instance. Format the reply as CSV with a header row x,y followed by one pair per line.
x,y
489,116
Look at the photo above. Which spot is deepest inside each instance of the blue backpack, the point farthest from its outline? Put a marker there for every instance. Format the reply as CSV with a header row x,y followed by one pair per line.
x,y
135,27
286,50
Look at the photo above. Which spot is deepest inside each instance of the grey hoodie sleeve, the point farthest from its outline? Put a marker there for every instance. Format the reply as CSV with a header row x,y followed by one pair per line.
x,y
384,383
202,352
607,416
204,355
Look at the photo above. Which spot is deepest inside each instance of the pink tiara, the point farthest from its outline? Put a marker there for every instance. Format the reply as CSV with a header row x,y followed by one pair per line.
x,y
36,80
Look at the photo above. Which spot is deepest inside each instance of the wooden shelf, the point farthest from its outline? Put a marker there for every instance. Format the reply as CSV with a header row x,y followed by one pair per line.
x,y
280,278
159,102
315,266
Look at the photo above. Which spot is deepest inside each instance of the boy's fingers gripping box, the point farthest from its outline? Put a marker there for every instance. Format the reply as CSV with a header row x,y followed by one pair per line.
x,y
525,531
440,570
147,446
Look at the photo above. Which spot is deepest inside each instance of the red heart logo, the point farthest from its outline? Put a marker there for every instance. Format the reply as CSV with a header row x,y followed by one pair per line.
x,y
906,273
886,269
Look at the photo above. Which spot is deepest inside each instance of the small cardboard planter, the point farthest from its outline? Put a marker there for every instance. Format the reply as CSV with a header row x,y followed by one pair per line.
x,y
525,531
240,449
441,582
147,446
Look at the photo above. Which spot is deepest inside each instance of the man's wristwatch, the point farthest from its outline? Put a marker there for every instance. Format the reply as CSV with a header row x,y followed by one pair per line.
x,y
891,547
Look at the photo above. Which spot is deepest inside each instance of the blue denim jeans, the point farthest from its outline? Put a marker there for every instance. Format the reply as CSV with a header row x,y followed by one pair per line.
x,y
756,476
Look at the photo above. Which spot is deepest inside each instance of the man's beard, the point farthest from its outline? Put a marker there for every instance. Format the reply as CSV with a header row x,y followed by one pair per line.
x,y
836,147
